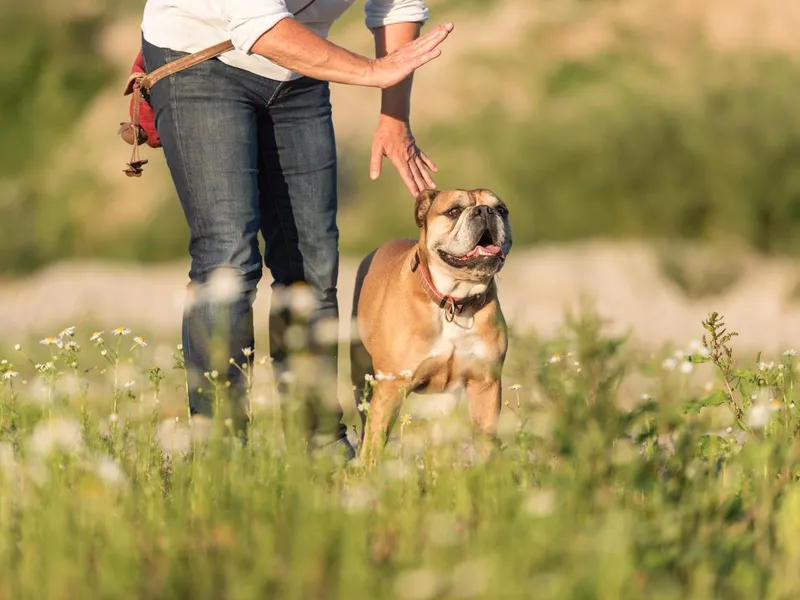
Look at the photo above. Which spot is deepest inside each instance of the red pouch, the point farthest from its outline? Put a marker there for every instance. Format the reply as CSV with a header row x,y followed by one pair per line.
x,y
146,116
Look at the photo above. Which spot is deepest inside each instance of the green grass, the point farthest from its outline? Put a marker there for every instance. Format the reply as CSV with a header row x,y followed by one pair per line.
x,y
622,475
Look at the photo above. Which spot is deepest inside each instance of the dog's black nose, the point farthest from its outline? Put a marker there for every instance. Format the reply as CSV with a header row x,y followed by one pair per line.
x,y
480,211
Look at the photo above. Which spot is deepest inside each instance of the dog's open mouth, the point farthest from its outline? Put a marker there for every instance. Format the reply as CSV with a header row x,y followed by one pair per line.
x,y
484,248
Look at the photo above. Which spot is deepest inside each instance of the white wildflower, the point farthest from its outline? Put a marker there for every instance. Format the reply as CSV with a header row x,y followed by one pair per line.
x,y
248,352
326,331
56,434
381,376
363,406
686,367
121,331
301,300
140,341
790,352
224,286
696,348
406,373
173,436
17,347
113,417
68,332
554,359
368,377
287,377
52,341
760,413
96,336
110,473
103,352
10,374
758,416
515,388
179,347
72,345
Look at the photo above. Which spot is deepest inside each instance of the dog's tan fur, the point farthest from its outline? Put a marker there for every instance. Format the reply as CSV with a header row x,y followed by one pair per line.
x,y
401,329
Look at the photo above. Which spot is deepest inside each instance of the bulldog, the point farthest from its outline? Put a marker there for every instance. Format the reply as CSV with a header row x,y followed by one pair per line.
x,y
426,316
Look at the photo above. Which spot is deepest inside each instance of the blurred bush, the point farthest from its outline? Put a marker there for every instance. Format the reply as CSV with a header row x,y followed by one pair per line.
x,y
651,133
612,149
51,71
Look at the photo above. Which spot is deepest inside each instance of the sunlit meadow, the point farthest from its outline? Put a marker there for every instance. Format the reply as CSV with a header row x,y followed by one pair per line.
x,y
618,474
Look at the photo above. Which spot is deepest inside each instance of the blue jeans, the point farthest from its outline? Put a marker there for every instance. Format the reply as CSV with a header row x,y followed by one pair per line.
x,y
248,154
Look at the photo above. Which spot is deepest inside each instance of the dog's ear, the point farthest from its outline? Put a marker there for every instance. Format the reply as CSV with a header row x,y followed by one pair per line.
x,y
423,204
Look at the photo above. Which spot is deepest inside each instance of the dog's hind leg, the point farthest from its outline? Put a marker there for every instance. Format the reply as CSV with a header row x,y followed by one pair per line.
x,y
360,367
360,358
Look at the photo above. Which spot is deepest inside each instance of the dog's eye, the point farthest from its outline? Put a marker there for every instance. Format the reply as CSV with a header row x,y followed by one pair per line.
x,y
453,212
502,209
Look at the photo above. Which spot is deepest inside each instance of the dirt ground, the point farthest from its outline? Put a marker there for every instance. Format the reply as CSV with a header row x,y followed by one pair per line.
x,y
537,285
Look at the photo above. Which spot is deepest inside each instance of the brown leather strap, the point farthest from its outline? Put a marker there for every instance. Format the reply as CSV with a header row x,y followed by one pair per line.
x,y
140,84
184,62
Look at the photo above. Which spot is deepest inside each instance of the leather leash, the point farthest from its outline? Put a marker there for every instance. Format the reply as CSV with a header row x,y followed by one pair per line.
x,y
139,84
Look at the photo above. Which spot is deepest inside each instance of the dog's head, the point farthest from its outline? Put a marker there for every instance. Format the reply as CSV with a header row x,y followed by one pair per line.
x,y
465,232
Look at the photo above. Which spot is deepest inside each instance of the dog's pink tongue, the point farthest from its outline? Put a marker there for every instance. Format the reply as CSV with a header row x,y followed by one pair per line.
x,y
491,250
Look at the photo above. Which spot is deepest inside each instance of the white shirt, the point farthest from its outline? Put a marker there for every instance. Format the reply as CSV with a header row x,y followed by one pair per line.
x,y
191,25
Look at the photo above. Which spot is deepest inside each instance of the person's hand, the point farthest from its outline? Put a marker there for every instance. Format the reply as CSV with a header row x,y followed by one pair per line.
x,y
396,66
394,140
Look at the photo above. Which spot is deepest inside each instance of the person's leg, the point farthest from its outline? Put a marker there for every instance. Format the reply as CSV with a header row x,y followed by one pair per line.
x,y
207,120
298,214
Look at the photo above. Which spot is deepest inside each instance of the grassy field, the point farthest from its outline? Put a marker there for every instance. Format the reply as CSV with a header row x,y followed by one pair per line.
x,y
620,475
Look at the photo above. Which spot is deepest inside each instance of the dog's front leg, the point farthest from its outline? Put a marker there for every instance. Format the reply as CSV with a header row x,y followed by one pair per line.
x,y
484,401
387,398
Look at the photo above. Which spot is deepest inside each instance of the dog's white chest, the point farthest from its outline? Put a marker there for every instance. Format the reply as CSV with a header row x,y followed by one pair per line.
x,y
460,339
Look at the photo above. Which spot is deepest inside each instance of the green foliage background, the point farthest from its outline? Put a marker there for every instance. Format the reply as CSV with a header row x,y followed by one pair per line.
x,y
625,142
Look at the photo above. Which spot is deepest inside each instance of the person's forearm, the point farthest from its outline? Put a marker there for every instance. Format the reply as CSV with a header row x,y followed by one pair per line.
x,y
396,100
295,47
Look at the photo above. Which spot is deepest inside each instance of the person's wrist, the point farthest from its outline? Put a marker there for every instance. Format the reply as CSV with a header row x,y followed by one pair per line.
x,y
371,75
393,120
